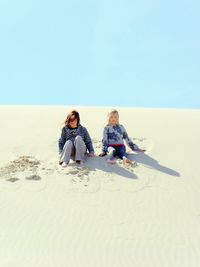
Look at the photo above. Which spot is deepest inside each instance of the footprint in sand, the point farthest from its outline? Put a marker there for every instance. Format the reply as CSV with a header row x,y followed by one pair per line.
x,y
144,143
23,169
85,184
82,180
34,178
12,180
20,165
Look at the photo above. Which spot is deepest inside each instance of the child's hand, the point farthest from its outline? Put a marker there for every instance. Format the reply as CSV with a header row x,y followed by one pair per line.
x,y
103,154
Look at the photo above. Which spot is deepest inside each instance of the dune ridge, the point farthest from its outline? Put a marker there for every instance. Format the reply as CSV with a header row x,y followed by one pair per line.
x,y
99,215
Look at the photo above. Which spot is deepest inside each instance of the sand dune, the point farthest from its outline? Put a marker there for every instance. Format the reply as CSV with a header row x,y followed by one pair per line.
x,y
99,215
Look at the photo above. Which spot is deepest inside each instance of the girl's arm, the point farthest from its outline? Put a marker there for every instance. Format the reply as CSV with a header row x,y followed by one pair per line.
x,y
129,142
88,142
62,141
104,143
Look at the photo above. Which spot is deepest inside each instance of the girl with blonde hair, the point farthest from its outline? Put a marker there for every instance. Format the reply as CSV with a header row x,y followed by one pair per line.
x,y
114,135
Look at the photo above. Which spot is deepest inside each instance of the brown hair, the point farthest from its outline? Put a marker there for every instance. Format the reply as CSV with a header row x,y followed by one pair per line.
x,y
76,116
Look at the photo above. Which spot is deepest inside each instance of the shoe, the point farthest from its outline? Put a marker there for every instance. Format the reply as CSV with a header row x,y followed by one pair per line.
x,y
64,164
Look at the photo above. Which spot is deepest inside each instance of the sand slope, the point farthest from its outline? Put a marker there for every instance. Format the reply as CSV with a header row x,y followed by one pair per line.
x,y
99,215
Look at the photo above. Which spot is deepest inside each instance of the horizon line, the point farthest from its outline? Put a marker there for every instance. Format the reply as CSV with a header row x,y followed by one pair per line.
x,y
98,106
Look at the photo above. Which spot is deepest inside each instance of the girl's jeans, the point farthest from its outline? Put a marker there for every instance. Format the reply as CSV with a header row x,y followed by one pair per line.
x,y
119,151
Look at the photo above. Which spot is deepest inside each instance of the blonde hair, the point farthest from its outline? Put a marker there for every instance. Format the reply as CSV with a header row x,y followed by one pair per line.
x,y
113,112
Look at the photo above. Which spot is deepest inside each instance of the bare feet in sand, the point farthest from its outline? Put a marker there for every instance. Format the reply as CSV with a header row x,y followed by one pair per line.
x,y
64,164
127,161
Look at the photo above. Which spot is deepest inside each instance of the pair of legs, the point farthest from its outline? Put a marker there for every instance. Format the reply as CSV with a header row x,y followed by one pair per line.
x,y
73,150
120,152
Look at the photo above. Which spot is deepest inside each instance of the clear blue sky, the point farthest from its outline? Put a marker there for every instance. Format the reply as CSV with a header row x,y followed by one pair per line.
x,y
100,52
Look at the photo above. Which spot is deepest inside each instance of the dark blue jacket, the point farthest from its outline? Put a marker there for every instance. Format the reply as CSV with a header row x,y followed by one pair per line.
x,y
67,134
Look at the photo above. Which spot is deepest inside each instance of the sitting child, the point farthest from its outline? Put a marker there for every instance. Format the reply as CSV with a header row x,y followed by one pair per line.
x,y
113,136
75,141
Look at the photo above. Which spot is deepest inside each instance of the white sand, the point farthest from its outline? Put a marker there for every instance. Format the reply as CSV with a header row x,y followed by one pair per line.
x,y
100,215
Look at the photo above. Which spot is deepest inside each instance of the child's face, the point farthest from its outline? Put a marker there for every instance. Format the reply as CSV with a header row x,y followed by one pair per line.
x,y
73,122
113,119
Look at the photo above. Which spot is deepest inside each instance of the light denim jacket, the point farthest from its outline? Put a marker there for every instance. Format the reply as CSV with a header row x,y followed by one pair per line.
x,y
116,135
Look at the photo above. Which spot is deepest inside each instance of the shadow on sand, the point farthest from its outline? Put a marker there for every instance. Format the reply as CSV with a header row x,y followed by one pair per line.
x,y
141,158
150,162
101,164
